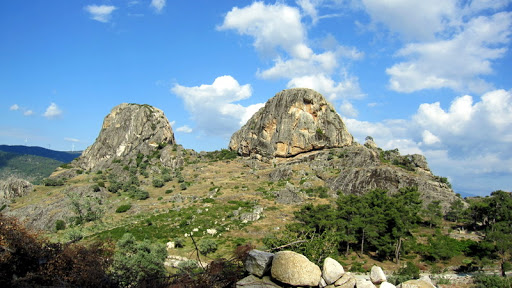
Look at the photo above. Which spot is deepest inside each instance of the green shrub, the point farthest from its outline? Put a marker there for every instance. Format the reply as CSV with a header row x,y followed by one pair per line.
x,y
157,183
179,242
60,225
183,186
207,246
135,261
491,281
169,191
123,208
410,271
96,188
52,182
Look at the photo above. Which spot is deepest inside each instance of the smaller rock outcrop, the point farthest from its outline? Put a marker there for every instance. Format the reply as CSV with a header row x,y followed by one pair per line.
x,y
14,187
294,121
128,130
258,262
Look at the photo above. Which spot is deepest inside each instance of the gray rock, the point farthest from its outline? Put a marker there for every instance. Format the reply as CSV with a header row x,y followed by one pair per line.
x,y
361,283
416,284
377,276
14,188
332,270
128,130
288,195
386,285
294,121
258,262
281,173
295,269
346,281
252,281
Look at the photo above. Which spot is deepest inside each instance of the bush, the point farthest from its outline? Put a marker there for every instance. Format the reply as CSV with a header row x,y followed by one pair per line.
x,y
123,208
491,281
134,262
157,183
52,182
410,271
179,242
207,246
60,225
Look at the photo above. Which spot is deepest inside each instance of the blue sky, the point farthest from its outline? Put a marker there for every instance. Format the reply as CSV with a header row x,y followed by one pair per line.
x,y
430,77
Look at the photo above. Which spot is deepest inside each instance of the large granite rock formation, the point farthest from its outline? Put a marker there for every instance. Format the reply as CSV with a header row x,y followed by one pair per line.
x,y
14,187
294,121
128,130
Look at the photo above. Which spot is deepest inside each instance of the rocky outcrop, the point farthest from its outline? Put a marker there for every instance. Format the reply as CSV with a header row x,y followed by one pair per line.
x,y
14,187
290,269
294,121
128,130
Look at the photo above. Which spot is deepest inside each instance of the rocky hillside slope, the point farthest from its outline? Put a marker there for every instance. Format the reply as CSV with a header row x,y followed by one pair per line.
x,y
295,150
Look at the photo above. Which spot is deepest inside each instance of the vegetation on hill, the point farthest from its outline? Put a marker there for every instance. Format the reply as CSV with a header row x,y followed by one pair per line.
x,y
61,156
29,167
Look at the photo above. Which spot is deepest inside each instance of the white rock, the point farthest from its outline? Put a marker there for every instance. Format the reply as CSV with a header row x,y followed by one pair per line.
x,y
295,269
364,284
377,276
171,245
332,270
386,285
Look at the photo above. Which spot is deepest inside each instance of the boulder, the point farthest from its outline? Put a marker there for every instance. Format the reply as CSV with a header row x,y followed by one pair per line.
x,y
332,270
361,283
416,284
252,281
346,281
386,285
14,187
295,269
377,276
294,121
258,262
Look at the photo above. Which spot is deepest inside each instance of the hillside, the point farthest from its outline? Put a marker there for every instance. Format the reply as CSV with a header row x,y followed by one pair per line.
x,y
61,156
25,166
290,163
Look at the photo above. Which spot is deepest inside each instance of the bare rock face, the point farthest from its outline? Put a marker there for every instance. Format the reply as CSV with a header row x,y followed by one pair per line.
x,y
294,121
14,187
128,130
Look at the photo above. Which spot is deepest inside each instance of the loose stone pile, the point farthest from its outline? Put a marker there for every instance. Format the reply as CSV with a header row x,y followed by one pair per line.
x,y
287,268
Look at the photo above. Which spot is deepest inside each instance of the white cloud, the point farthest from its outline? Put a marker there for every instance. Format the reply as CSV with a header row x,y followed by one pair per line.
x,y
212,106
158,5
473,136
14,107
414,19
101,13
309,9
28,112
71,139
271,26
347,110
52,111
456,63
278,31
184,129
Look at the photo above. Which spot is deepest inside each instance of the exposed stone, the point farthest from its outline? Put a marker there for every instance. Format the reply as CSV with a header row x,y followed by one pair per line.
x,y
294,121
386,285
332,270
128,130
252,281
377,276
346,281
258,262
416,284
14,187
288,195
295,269
361,283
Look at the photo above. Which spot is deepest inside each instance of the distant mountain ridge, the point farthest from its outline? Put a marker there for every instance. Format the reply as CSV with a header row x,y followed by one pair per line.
x,y
62,156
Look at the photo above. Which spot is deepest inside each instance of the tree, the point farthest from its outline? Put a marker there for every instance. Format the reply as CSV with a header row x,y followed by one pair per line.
x,y
433,213
135,262
456,211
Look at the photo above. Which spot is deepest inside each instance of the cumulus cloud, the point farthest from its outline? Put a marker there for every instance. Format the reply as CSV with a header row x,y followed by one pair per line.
x,y
14,107
25,111
473,136
455,63
52,111
158,5
28,112
278,31
184,129
214,108
101,13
